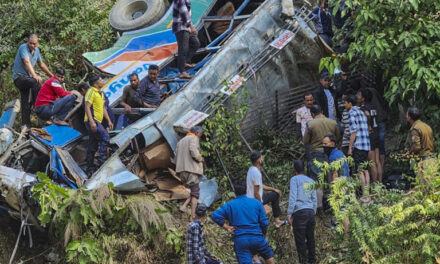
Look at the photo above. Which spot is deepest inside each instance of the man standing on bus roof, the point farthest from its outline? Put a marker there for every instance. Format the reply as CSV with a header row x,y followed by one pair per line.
x,y
186,35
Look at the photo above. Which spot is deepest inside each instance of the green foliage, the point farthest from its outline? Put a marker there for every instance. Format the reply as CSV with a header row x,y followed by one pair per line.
x,y
95,223
221,132
85,251
173,239
222,128
396,227
400,38
66,29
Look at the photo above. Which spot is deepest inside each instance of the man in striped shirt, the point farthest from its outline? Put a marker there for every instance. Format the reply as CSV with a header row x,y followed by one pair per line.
x,y
186,35
359,142
345,124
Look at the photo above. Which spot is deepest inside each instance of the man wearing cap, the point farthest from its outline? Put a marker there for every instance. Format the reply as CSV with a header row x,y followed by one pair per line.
x,y
53,101
246,220
25,78
324,97
95,114
195,242
189,166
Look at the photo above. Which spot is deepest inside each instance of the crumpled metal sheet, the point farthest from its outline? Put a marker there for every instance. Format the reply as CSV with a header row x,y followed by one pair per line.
x,y
15,179
295,65
12,182
114,171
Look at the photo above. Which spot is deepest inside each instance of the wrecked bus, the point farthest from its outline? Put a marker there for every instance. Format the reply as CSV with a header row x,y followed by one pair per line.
x,y
268,46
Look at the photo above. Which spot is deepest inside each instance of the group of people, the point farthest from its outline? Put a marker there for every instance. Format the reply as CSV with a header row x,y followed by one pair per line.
x,y
245,216
51,101
333,125
353,120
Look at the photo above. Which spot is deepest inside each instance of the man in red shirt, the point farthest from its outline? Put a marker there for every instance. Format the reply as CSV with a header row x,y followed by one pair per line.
x,y
53,101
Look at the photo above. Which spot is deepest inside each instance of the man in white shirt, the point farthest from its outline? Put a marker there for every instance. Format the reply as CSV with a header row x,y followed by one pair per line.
x,y
255,187
303,115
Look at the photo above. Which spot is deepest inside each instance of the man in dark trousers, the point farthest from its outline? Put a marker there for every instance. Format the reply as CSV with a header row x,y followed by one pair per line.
x,y
96,113
317,129
322,19
186,35
301,212
324,97
255,187
53,101
25,78
247,221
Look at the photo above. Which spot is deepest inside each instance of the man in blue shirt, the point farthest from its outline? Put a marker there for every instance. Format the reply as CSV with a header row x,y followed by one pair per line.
x,y
334,154
248,223
25,78
148,93
301,211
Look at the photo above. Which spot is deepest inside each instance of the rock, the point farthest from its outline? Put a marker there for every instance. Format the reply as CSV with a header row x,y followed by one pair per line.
x,y
53,257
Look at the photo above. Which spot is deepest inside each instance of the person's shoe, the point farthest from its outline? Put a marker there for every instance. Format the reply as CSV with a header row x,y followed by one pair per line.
x,y
281,224
189,65
184,75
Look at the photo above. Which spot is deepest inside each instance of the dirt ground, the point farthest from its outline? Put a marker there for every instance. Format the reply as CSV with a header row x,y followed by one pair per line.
x,y
9,229
218,241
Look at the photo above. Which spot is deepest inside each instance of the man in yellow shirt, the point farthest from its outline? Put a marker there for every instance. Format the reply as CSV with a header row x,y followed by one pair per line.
x,y
95,114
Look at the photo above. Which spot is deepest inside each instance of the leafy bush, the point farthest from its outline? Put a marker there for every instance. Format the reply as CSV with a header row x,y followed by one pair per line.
x,y
401,39
396,227
100,226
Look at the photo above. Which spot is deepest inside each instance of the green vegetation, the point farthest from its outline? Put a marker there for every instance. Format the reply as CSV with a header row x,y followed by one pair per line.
x,y
101,226
399,38
397,227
